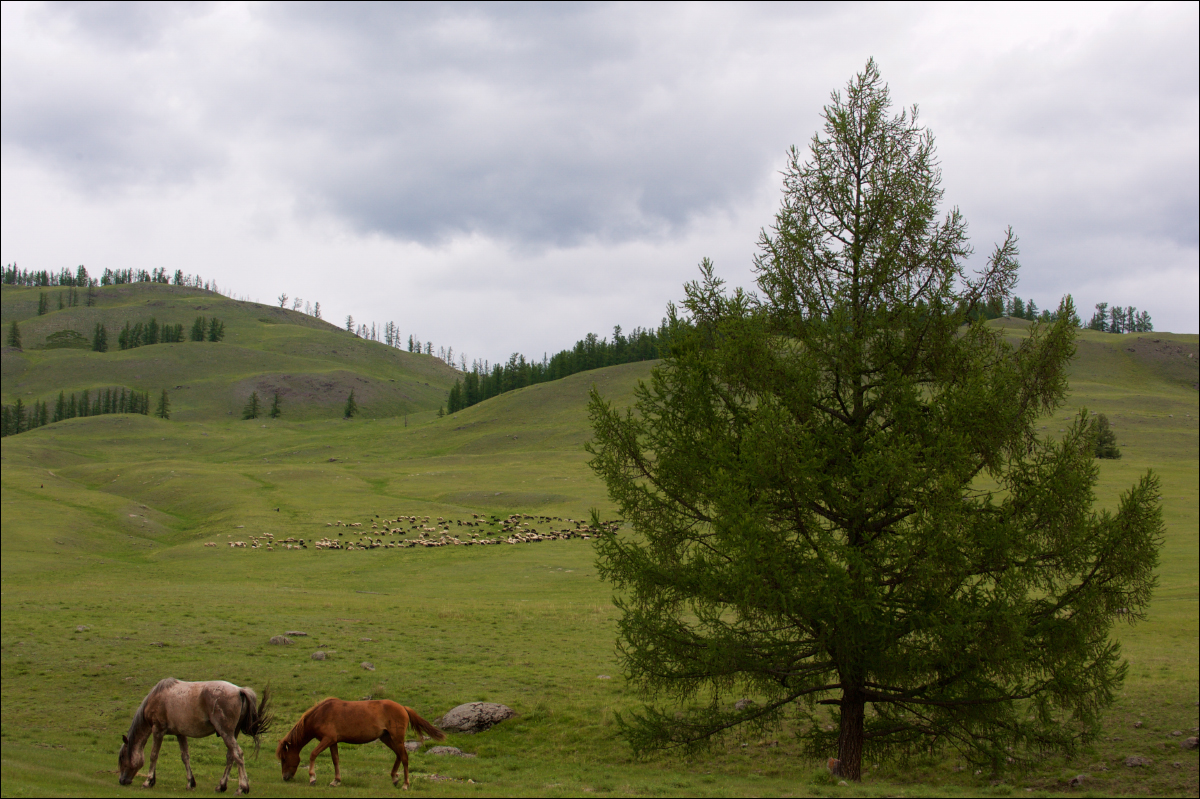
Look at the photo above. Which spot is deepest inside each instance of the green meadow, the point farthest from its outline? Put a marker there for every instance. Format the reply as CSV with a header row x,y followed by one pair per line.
x,y
106,585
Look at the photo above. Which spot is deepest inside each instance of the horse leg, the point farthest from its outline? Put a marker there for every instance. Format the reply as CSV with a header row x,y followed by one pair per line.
x,y
312,760
150,776
337,768
396,742
234,755
187,760
225,777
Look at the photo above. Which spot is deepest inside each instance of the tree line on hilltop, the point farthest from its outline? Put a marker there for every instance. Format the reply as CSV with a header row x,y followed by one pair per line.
x,y
484,381
12,275
1116,319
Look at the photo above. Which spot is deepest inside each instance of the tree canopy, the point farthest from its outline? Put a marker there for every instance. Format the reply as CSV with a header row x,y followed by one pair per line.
x,y
840,504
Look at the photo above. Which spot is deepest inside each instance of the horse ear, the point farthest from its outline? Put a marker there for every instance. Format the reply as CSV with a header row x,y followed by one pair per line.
x,y
124,740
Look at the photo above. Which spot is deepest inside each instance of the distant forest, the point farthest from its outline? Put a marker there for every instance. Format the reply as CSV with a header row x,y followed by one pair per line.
x,y
12,276
484,381
1115,319
18,418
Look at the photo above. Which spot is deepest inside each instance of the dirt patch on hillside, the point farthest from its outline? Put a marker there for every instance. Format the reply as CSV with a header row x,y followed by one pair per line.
x,y
1174,360
315,391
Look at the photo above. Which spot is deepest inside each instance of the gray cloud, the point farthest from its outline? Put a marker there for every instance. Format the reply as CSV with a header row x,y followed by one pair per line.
x,y
580,145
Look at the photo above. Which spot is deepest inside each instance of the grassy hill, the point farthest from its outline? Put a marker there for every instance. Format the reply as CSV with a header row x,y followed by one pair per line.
x,y
311,363
107,585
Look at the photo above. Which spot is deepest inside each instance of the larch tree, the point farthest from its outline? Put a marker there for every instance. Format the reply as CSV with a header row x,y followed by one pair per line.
x,y
840,504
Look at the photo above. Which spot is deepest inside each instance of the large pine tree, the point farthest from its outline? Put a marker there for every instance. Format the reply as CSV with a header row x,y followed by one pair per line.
x,y
838,493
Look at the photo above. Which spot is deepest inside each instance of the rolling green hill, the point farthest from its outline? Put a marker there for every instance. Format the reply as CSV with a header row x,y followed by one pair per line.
x,y
107,585
311,363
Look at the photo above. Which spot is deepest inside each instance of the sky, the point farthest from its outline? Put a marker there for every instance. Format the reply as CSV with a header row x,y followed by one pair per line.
x,y
507,178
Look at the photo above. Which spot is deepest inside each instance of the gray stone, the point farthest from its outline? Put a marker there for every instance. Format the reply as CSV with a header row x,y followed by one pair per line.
x,y
296,632
447,750
1077,780
318,655
474,717
83,628
412,746
280,640
1189,743
742,704
603,677
1134,762
368,666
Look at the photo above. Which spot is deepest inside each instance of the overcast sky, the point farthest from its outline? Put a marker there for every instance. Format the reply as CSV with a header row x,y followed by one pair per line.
x,y
505,178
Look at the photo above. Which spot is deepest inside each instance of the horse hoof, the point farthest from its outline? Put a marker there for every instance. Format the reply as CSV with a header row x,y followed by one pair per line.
x,y
220,789
148,784
191,784
335,783
312,780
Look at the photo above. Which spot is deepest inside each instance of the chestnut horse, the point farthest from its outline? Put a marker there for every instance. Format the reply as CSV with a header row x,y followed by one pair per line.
x,y
194,710
333,721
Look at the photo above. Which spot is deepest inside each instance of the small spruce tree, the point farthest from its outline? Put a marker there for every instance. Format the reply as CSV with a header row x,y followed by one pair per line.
x,y
163,411
198,328
14,335
1106,439
252,407
276,411
99,339
351,406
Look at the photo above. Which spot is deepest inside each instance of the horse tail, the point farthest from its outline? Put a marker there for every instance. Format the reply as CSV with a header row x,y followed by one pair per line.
x,y
256,721
424,727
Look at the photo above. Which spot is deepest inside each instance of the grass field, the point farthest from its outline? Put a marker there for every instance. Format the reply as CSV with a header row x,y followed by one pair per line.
x,y
107,587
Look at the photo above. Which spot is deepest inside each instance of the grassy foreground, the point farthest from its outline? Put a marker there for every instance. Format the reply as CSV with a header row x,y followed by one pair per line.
x,y
106,586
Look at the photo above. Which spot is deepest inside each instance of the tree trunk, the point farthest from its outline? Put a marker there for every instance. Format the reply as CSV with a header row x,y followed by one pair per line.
x,y
850,736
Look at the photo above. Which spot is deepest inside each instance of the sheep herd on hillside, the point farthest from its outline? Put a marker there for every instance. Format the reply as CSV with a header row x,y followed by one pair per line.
x,y
387,533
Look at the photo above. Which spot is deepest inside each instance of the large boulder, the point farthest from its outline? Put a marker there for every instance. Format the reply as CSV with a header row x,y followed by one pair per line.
x,y
474,717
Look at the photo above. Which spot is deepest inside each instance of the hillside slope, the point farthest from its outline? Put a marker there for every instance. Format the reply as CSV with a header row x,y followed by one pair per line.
x,y
311,363
109,586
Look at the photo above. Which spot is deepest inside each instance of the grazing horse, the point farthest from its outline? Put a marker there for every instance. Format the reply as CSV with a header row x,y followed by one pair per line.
x,y
333,720
194,710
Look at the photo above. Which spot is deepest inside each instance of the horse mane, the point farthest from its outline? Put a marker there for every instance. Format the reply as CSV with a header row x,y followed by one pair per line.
x,y
139,718
297,730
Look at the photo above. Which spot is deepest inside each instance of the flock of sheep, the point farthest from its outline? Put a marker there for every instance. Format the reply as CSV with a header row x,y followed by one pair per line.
x,y
387,533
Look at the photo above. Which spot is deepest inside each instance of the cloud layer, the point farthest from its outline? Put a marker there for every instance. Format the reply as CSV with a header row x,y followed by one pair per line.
x,y
581,158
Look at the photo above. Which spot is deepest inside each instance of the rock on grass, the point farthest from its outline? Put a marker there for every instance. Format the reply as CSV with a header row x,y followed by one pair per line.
x,y
474,717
